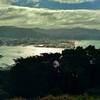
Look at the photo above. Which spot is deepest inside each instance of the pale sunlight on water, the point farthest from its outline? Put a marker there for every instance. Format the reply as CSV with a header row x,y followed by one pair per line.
x,y
12,52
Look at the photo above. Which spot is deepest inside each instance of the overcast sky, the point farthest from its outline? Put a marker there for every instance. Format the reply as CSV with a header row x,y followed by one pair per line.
x,y
50,13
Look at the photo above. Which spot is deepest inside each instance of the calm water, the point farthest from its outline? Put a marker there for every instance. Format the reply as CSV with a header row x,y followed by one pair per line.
x,y
12,52
85,43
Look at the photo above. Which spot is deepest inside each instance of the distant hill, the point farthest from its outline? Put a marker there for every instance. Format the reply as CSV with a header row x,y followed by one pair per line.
x,y
74,33
52,34
19,33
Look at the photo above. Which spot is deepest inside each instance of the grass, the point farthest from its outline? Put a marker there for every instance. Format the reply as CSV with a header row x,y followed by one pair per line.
x,y
64,97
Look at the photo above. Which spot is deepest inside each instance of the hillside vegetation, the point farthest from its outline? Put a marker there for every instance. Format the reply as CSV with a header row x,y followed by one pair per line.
x,y
73,72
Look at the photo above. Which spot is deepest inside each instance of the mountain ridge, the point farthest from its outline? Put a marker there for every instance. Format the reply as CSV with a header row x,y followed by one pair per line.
x,y
38,33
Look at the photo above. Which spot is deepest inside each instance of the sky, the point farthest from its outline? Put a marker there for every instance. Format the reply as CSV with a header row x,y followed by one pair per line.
x,y
50,13
55,4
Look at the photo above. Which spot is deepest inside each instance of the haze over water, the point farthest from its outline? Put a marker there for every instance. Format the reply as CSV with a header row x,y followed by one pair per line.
x,y
13,52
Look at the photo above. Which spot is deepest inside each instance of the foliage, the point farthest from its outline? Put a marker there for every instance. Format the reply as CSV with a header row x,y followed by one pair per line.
x,y
77,72
63,97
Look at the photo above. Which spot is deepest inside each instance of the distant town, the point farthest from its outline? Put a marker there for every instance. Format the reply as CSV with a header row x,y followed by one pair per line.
x,y
38,43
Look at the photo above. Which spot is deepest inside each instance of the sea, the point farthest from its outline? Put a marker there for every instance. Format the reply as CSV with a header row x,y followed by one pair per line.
x,y
9,53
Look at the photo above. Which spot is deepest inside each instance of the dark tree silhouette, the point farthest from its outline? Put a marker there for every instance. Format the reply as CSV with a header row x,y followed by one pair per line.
x,y
74,71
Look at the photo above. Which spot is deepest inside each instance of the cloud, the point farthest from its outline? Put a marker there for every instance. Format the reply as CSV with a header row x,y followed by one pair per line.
x,y
6,2
36,0
73,1
32,2
18,2
45,18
